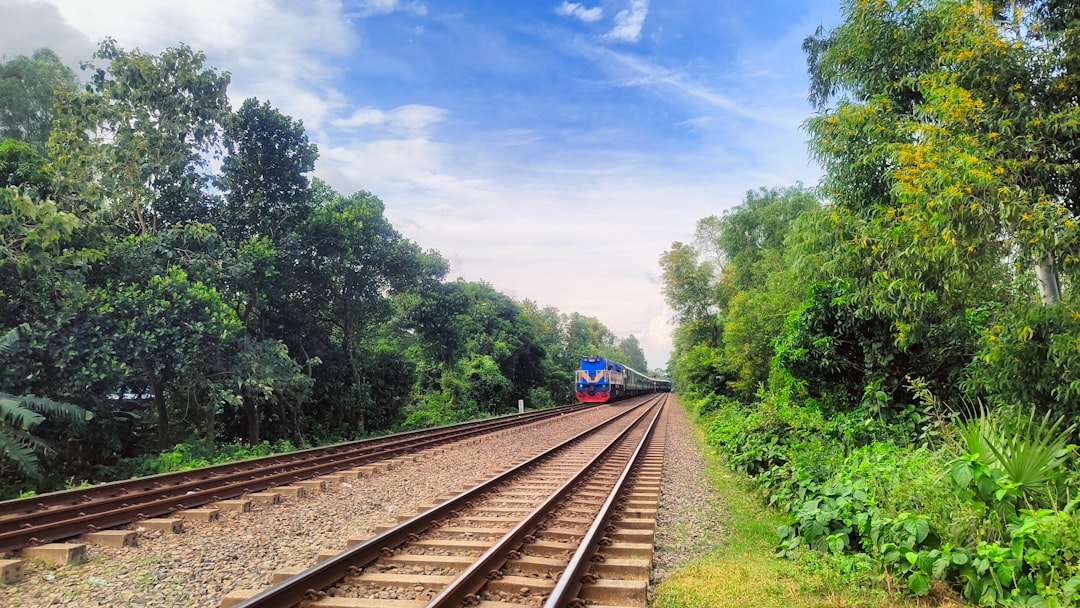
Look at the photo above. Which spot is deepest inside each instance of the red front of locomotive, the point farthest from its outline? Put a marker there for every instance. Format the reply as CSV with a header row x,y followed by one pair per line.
x,y
598,380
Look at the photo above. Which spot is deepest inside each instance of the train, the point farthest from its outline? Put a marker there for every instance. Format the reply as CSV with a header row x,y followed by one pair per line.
x,y
600,380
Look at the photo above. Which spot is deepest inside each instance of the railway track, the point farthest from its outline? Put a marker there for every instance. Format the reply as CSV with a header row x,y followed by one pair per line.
x,y
570,526
61,515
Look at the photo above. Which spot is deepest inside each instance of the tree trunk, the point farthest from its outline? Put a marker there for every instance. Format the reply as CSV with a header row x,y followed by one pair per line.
x,y
297,438
162,413
251,412
211,425
1046,277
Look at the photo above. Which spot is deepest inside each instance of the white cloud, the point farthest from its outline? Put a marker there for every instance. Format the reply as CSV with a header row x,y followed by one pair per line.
x,y
369,8
629,21
630,70
276,51
578,11
655,339
411,119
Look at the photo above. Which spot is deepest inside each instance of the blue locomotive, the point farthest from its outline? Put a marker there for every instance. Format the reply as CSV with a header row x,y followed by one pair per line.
x,y
601,380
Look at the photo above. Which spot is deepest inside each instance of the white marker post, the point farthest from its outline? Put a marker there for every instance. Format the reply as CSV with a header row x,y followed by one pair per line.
x,y
521,406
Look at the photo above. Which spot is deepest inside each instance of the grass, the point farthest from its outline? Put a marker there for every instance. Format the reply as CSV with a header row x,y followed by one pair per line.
x,y
744,571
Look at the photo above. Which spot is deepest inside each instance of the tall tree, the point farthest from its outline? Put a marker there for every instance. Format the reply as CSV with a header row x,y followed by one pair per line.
x,y
632,354
264,174
943,131
138,138
28,93
947,162
689,289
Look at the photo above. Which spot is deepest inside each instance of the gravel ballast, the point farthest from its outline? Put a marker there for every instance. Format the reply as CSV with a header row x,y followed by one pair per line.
x,y
242,550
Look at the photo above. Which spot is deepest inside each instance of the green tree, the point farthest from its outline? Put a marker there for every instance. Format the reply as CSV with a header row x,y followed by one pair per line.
x,y
549,329
271,386
23,167
28,95
163,328
950,192
264,175
349,263
689,289
632,355
138,138
487,387
21,414
34,256
944,165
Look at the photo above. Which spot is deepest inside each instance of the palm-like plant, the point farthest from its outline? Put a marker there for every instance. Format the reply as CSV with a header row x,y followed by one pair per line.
x,y
1030,451
20,414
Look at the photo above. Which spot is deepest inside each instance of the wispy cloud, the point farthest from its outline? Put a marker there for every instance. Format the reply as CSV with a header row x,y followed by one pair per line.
x,y
411,119
634,71
629,21
578,11
370,8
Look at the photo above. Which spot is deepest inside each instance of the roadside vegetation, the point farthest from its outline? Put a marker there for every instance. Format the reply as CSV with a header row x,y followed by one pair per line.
x,y
159,311
746,570
889,360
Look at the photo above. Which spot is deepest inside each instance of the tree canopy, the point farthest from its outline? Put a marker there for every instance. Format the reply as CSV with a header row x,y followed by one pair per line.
x,y
176,300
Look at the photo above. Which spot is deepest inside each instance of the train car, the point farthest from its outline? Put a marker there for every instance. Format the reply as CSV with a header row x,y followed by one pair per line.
x,y
600,380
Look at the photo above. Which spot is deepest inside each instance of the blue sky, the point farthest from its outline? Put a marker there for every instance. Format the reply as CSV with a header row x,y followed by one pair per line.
x,y
553,149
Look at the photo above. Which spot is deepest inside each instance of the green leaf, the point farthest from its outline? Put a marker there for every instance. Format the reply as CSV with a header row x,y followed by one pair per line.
x,y
919,583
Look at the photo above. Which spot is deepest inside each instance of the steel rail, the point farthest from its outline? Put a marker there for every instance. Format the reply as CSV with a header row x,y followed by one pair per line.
x,y
119,503
462,590
307,584
565,593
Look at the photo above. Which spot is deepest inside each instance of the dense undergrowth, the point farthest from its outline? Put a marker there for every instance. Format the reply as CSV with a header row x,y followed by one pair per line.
x,y
892,355
987,505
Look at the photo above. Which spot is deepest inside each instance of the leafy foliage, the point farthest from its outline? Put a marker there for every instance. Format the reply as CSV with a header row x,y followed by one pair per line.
x,y
187,302
29,86
938,273
20,414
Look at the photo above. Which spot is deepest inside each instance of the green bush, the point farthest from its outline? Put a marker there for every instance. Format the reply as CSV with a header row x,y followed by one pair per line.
x,y
912,499
194,455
